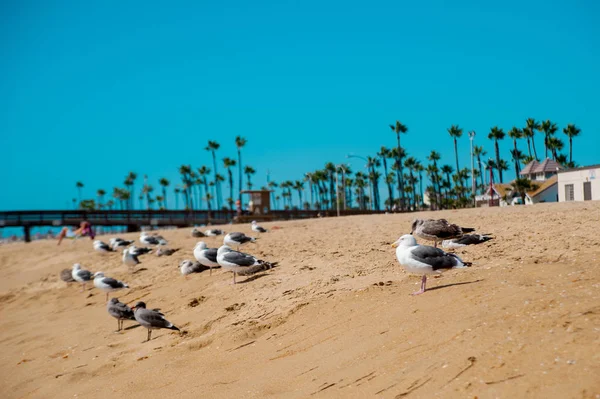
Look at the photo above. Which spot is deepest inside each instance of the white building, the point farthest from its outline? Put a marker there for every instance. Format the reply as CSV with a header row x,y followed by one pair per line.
x,y
579,184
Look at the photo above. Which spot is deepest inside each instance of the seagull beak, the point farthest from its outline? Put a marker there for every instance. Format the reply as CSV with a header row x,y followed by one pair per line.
x,y
395,244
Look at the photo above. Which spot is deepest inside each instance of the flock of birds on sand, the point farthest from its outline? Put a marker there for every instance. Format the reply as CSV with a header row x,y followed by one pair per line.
x,y
419,259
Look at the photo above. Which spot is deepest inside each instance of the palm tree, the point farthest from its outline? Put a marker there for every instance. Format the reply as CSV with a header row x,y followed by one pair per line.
x,y
212,147
515,133
490,165
549,129
219,179
399,128
478,152
571,131
385,153
228,163
146,190
79,186
411,163
420,169
554,144
330,173
433,157
164,184
447,170
249,171
497,134
204,172
159,199
529,131
272,185
299,186
521,186
100,193
502,165
177,191
132,176
240,142
185,171
455,132
109,204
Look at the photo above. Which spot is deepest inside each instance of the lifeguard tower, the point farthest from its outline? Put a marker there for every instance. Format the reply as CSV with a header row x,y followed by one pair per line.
x,y
259,206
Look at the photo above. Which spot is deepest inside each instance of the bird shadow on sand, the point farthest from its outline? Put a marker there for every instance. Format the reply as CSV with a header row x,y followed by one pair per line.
x,y
132,327
252,278
139,270
453,284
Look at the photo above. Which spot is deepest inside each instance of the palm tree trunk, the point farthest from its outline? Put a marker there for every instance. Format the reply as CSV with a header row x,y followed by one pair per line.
x,y
515,159
399,173
546,143
498,159
240,175
529,146
456,154
570,149
206,192
389,186
216,192
534,153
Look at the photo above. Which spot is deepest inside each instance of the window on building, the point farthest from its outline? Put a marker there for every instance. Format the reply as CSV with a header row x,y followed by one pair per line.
x,y
587,191
569,192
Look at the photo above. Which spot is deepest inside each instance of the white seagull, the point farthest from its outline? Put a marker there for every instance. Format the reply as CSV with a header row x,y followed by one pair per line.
x,y
148,239
213,232
102,247
206,256
240,263
130,259
120,244
108,284
237,239
423,259
80,275
257,228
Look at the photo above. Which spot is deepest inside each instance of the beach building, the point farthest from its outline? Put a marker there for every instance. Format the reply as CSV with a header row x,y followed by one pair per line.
x,y
579,184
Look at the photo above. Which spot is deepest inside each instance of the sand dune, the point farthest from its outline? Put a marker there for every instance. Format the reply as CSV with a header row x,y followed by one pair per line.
x,y
334,319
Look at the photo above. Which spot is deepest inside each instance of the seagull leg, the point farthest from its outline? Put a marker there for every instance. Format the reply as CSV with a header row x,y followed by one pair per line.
x,y
210,272
423,282
233,277
107,297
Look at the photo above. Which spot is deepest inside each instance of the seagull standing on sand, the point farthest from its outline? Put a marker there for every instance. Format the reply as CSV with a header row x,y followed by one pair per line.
x,y
66,275
257,228
102,247
121,244
151,319
108,284
130,259
467,239
139,251
237,239
206,256
188,267
423,259
437,230
80,275
240,263
119,311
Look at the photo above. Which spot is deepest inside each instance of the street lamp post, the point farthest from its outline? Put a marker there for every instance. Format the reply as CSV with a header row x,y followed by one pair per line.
x,y
471,137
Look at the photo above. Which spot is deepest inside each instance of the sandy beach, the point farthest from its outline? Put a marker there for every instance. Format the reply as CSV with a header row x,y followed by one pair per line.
x,y
334,319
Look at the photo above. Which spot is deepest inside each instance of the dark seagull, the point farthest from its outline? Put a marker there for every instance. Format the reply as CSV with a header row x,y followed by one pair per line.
x,y
240,263
467,239
197,233
423,259
151,319
237,239
166,251
66,275
437,230
119,311
121,244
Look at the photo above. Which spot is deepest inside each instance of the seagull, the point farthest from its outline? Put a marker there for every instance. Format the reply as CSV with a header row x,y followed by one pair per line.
x,y
120,244
80,275
240,263
206,256
147,239
66,275
102,247
114,240
108,284
139,251
437,230
197,233
165,251
467,239
237,239
257,228
213,232
119,311
151,319
188,267
130,259
423,259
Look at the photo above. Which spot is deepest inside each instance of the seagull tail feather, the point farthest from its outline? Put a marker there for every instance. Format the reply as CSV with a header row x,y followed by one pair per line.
x,y
467,229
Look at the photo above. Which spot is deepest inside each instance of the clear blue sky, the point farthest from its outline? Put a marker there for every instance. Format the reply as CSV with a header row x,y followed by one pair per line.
x,y
92,91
